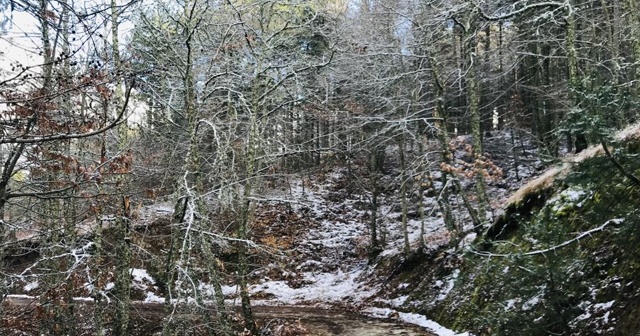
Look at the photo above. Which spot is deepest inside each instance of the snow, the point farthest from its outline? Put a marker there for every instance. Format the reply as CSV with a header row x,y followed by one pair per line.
x,y
529,304
153,298
444,292
141,279
31,286
33,298
605,317
601,310
207,290
83,299
399,301
431,325
341,225
329,272
604,306
413,318
229,290
322,287
20,296
436,235
573,195
583,316
568,199
510,304
141,275
334,269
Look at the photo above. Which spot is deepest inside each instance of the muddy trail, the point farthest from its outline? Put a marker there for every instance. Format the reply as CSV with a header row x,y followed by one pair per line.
x,y
328,322
146,318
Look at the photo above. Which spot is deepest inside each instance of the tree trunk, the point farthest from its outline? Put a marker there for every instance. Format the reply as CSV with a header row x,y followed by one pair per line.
x,y
242,232
476,131
403,196
440,116
374,244
122,248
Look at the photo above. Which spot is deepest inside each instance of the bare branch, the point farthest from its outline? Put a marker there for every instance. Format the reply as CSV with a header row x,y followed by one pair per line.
x,y
553,248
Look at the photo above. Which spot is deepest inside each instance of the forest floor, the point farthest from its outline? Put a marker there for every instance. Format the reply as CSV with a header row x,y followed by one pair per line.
x,y
311,272
280,320
313,266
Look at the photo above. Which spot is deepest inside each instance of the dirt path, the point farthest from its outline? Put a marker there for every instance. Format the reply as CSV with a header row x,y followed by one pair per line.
x,y
317,321
329,322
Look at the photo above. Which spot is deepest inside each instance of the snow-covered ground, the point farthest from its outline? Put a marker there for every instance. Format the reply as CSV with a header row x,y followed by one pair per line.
x,y
335,271
329,261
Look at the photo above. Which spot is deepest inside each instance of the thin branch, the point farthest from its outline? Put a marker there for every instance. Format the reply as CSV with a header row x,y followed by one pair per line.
x,y
114,123
553,248
615,162
40,194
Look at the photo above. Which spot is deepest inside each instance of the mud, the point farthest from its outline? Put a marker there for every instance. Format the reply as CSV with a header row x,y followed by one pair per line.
x,y
316,321
329,322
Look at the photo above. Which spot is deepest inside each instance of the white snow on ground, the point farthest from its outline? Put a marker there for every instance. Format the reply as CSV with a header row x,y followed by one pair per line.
x,y
596,316
152,297
412,318
322,287
567,199
332,271
208,291
141,279
342,224
529,304
141,275
20,296
229,290
444,291
511,304
426,323
399,301
436,233
33,298
598,307
604,306
31,286
335,272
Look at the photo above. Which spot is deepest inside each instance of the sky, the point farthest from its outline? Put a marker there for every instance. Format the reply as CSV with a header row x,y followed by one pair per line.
x,y
20,42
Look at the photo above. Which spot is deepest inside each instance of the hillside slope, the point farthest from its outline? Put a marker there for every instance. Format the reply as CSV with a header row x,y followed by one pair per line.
x,y
565,261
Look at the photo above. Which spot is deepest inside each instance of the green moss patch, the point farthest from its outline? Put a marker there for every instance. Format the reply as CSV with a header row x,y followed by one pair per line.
x,y
590,286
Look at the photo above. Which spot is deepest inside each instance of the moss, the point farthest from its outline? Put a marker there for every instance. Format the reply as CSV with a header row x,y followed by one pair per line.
x,y
546,293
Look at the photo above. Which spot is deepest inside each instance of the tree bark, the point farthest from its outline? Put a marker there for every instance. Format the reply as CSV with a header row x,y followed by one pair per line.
x,y
403,196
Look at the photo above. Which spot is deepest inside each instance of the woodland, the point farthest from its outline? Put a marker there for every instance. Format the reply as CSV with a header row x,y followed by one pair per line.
x,y
471,162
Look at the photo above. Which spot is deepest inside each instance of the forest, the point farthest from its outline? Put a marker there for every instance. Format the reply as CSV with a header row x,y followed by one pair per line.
x,y
270,167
